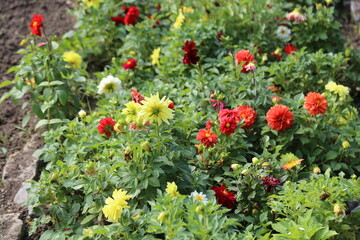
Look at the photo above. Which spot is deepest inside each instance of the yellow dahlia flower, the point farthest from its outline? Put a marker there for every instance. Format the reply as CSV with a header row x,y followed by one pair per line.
x,y
114,206
155,110
92,3
73,58
171,189
132,111
155,57
345,144
187,10
179,20
339,89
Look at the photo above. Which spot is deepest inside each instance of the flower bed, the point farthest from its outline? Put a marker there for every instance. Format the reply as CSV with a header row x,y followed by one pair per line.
x,y
213,120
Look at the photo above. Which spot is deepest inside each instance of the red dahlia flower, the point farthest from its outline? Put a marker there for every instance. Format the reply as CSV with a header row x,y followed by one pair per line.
x,y
289,49
206,137
270,182
208,124
36,24
223,196
106,126
190,53
244,57
136,96
171,105
132,16
228,125
219,35
129,64
279,117
315,103
224,113
247,114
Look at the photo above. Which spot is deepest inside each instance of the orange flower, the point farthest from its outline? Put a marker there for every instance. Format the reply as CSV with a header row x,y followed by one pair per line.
x,y
292,164
315,103
244,57
207,138
247,114
279,117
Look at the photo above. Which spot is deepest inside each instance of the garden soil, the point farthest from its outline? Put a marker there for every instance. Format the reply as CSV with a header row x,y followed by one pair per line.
x,y
15,17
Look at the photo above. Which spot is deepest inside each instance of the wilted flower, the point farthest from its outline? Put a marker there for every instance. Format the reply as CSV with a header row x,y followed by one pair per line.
x,y
295,16
109,84
290,161
283,33
73,58
276,99
41,44
270,182
136,96
114,206
339,209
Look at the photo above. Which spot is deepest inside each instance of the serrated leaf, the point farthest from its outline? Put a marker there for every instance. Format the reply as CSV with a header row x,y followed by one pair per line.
x,y
87,219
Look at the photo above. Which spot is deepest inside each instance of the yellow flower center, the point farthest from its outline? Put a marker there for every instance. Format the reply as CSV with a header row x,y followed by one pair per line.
x,y
207,135
243,115
128,62
228,125
35,24
199,198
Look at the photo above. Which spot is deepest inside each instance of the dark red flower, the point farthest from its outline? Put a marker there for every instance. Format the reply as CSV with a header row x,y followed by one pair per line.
x,y
171,105
223,196
106,126
206,137
129,64
224,113
228,125
246,114
289,49
190,53
244,57
136,96
277,55
279,117
119,19
36,24
132,16
219,35
270,182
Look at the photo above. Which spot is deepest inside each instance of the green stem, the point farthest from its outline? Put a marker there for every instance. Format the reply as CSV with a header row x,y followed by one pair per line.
x,y
204,237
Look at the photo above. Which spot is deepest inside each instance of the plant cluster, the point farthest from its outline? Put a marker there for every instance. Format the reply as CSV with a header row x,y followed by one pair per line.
x,y
213,120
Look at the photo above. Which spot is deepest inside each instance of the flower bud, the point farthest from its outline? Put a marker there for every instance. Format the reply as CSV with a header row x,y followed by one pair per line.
x,y
266,165
235,166
255,160
245,172
199,210
162,216
146,146
136,217
82,113
339,209
353,176
24,42
345,144
328,2
128,150
87,232
316,170
276,99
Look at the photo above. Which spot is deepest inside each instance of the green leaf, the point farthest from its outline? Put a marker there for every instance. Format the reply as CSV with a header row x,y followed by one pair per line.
x,y
5,83
48,84
45,121
87,219
331,155
5,96
63,97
